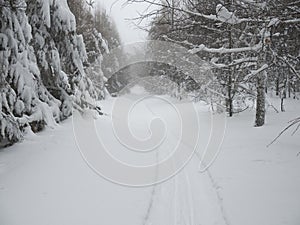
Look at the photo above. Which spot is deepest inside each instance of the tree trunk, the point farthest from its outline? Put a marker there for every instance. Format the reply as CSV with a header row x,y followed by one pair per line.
x,y
230,100
282,105
260,102
277,87
230,81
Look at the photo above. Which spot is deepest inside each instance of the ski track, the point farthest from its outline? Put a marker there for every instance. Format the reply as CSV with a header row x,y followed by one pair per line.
x,y
216,187
150,206
190,198
183,205
151,202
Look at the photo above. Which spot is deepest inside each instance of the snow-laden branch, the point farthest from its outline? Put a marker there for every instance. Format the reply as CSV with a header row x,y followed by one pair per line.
x,y
296,20
232,19
256,72
293,69
20,5
234,63
203,48
223,15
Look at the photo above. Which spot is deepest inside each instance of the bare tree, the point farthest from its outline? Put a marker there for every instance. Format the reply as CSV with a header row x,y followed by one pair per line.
x,y
236,37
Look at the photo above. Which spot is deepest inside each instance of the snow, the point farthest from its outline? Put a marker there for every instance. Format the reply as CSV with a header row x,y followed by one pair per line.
x,y
19,107
4,41
273,22
223,50
260,185
45,180
81,48
138,90
64,19
46,5
225,16
256,72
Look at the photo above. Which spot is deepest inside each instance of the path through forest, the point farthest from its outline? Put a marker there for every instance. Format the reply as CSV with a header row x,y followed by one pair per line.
x,y
44,180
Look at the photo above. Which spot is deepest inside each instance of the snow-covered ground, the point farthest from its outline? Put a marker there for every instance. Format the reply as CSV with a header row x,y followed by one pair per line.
x,y
45,181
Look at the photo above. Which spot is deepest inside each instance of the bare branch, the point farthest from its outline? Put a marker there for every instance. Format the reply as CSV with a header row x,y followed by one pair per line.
x,y
292,123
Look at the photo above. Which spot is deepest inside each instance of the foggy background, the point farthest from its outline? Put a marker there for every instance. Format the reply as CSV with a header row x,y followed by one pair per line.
x,y
122,14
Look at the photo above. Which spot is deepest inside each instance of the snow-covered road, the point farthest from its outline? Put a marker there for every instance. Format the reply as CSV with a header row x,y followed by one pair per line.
x,y
45,181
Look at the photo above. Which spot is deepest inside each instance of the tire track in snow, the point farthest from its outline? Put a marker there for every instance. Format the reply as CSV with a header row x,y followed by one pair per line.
x,y
153,193
182,199
219,197
150,206
176,199
186,191
214,185
190,198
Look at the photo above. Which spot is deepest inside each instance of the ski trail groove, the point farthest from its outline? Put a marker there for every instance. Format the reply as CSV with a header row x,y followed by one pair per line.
x,y
219,197
217,193
150,207
151,202
179,194
190,197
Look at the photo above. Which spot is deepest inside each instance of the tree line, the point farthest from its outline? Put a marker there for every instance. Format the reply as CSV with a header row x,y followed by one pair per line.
x,y
252,46
50,62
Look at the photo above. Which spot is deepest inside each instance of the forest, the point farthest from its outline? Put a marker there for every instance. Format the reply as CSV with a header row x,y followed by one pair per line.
x,y
195,121
51,54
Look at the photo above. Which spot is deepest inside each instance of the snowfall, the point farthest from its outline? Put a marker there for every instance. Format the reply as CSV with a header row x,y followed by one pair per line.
x,y
46,180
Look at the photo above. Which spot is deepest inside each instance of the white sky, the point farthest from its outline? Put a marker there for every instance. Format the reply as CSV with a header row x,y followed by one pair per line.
x,y
129,32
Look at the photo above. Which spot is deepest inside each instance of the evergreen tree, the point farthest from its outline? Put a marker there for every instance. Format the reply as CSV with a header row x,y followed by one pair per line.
x,y
24,99
43,67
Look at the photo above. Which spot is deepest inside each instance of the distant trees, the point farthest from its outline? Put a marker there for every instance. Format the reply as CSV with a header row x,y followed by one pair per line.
x,y
107,26
100,36
252,46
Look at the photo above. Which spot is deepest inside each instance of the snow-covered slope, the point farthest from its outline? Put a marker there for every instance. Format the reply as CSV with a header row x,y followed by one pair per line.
x,y
44,180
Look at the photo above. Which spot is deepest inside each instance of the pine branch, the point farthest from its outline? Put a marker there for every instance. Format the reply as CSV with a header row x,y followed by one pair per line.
x,y
3,5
